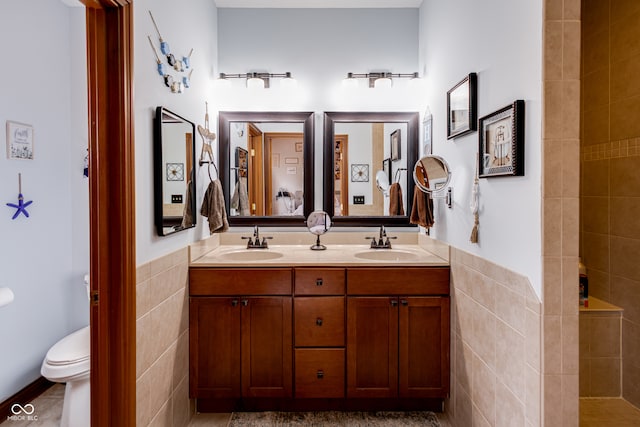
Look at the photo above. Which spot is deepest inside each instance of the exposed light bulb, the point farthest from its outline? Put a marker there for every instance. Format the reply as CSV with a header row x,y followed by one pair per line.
x,y
383,83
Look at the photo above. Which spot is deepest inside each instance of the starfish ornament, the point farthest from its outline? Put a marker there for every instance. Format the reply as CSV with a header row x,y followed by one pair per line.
x,y
21,206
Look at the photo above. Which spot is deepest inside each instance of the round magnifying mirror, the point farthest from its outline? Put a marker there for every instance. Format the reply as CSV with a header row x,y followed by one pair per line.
x,y
318,223
431,174
382,181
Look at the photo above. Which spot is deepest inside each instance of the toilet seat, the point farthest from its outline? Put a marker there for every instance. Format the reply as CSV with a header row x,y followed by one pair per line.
x,y
69,358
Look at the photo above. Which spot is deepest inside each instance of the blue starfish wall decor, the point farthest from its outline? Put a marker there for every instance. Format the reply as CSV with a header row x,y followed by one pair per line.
x,y
21,207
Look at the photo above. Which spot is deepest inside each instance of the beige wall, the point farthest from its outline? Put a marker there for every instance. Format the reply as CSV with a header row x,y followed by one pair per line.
x,y
162,344
495,346
610,190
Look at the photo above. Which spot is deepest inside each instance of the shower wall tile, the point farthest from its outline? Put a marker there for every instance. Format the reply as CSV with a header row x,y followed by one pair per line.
x,y
625,217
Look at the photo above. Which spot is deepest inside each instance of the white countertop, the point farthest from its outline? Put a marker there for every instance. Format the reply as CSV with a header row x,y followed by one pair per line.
x,y
350,255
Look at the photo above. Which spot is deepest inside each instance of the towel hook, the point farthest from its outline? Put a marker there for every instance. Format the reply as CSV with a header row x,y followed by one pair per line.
x,y
397,175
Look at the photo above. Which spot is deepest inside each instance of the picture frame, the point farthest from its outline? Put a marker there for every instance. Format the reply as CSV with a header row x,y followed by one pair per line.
x,y
175,171
427,134
462,107
359,172
290,160
396,142
242,161
386,167
19,141
501,142
298,147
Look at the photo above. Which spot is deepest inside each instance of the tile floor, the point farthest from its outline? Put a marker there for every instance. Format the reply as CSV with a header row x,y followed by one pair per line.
x,y
594,412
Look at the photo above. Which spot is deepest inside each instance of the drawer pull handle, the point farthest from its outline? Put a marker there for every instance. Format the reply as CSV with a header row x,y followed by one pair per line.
x,y
320,374
245,302
319,282
394,302
234,303
404,302
319,321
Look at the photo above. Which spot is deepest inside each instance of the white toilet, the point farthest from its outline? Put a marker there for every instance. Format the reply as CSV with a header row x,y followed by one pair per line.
x,y
68,361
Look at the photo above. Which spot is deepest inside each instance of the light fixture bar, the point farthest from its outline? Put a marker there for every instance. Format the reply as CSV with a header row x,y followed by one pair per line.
x,y
373,76
265,77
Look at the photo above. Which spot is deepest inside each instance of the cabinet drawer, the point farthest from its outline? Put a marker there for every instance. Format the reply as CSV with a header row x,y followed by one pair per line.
x,y
240,281
319,373
319,321
398,281
315,281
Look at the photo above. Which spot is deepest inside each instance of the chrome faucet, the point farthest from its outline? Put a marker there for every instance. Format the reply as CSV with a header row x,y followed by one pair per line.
x,y
255,243
383,241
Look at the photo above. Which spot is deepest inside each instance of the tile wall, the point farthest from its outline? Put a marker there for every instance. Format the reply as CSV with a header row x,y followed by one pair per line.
x,y
162,344
496,357
610,161
560,211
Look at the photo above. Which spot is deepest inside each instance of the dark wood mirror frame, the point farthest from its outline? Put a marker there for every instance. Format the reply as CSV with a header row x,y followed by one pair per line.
x,y
330,119
306,118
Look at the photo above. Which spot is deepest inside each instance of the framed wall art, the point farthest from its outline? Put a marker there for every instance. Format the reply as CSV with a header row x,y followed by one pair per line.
x,y
175,171
359,173
461,107
427,133
501,142
19,141
396,141
386,167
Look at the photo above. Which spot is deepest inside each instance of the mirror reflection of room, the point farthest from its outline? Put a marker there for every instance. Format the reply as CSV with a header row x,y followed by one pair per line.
x,y
360,150
267,169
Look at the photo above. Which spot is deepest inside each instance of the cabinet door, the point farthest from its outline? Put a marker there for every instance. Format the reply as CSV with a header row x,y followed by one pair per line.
x,y
214,347
372,347
267,347
424,346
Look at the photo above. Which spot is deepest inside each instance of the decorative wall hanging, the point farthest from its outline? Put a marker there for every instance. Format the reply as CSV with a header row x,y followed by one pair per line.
x,y
19,141
396,141
427,132
21,207
386,167
501,142
175,171
176,85
474,205
461,107
359,173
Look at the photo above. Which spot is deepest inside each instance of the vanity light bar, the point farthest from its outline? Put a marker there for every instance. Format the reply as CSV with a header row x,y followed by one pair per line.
x,y
264,77
373,77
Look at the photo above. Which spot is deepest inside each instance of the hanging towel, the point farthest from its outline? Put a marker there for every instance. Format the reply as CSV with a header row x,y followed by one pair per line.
x,y
422,208
187,214
213,208
240,198
395,200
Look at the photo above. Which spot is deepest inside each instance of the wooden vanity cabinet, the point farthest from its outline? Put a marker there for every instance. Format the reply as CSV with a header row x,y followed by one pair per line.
x,y
398,333
240,344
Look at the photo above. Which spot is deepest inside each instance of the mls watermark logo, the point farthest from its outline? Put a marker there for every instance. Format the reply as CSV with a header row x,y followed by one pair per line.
x,y
22,413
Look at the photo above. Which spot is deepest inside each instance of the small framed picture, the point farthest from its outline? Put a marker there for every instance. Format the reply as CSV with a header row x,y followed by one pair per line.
x,y
359,173
386,167
396,141
461,107
19,141
175,171
501,142
427,133
298,147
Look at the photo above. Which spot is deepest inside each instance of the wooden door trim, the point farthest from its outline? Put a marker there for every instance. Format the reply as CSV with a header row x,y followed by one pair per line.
x,y
109,25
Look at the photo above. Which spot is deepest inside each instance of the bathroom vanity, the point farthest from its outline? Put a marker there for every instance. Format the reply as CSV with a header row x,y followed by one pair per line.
x,y
287,328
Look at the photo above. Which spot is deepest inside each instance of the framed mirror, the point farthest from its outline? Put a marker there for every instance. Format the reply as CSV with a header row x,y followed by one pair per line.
x,y
173,170
266,167
385,141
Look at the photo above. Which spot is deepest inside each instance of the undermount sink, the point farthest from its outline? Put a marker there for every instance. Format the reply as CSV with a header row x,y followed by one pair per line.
x,y
387,255
250,255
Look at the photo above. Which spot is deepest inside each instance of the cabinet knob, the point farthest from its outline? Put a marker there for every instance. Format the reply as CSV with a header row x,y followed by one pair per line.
x,y
234,303
404,302
394,302
319,282
320,374
245,302
319,321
